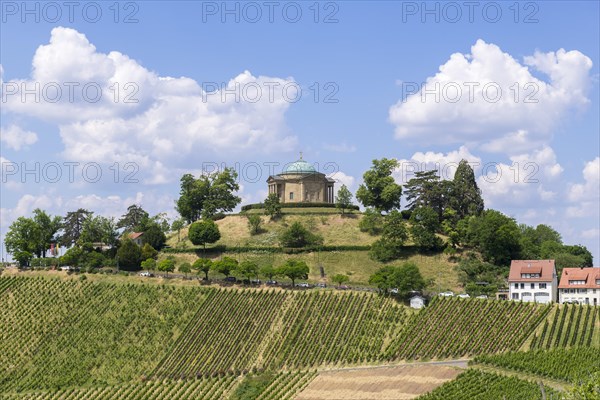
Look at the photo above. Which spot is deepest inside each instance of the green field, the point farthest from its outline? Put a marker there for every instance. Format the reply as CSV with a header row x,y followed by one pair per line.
x,y
117,337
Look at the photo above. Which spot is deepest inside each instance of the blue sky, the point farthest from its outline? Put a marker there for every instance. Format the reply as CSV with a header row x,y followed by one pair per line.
x,y
357,64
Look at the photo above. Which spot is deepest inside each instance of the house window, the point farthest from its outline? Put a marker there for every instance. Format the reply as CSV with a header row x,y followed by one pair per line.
x,y
533,285
582,291
291,195
522,286
516,285
515,296
577,282
530,275
571,290
542,286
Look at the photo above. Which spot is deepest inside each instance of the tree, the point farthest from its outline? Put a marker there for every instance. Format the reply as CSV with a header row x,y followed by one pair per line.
x,y
340,279
294,269
178,225
129,255
248,269
297,236
148,252
393,236
269,271
207,195
72,226
254,222
426,190
424,225
405,278
225,266
380,189
134,220
167,265
21,239
162,221
203,232
203,265
466,195
343,200
99,229
47,227
496,236
149,264
185,268
154,236
371,222
273,206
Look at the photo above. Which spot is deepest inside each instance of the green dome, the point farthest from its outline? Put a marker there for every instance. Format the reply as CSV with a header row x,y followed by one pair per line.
x,y
299,167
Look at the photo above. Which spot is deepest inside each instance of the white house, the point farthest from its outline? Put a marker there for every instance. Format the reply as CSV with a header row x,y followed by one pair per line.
x,y
417,301
533,280
581,285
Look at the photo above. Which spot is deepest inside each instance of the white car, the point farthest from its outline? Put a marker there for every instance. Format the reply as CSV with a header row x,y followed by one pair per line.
x,y
146,273
464,295
449,293
482,296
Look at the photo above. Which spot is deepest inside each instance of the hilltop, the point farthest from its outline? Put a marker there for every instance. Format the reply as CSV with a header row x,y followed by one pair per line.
x,y
336,230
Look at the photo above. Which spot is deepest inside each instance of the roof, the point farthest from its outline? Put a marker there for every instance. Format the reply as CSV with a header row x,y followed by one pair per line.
x,y
299,167
545,268
590,275
135,235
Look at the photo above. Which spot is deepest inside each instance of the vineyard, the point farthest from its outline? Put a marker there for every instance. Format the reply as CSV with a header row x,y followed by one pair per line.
x,y
76,339
570,365
455,327
474,384
273,329
567,326
53,331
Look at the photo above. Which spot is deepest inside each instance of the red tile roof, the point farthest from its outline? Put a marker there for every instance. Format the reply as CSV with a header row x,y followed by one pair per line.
x,y
545,268
591,277
135,235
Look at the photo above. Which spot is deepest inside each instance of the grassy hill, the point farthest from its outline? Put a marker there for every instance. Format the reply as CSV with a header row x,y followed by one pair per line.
x,y
111,337
335,229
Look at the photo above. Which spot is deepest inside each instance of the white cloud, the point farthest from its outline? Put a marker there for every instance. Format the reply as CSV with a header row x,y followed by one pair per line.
x,y
529,177
445,164
342,147
510,124
590,233
173,123
16,138
343,179
586,195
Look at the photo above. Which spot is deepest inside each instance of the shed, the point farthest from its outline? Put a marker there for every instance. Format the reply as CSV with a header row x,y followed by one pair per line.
x,y
417,301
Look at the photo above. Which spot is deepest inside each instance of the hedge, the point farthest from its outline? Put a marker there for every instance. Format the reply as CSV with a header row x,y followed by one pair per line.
x,y
266,249
258,206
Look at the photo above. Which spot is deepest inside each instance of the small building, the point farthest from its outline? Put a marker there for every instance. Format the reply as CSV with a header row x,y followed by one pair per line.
x,y
136,237
300,182
417,301
580,285
533,280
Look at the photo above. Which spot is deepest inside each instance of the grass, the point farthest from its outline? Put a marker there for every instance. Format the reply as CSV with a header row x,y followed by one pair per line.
x,y
356,264
335,229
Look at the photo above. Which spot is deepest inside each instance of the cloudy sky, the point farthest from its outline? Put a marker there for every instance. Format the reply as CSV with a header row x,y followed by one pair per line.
x,y
108,104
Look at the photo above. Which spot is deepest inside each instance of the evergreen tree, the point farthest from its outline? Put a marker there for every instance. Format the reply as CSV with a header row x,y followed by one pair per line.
x,y
466,195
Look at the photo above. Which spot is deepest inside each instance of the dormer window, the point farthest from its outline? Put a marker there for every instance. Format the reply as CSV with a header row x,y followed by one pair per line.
x,y
530,275
577,282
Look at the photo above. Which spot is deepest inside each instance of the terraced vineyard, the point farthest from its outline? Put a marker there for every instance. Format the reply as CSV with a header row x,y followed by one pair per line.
x,y
474,384
570,365
272,329
54,331
455,327
193,389
76,339
569,325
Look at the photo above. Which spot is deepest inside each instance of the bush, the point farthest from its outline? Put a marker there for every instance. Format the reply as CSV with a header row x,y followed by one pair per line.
x,y
203,232
260,206
371,222
297,236
129,256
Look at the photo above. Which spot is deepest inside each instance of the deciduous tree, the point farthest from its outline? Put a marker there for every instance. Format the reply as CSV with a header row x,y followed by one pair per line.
x,y
380,190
